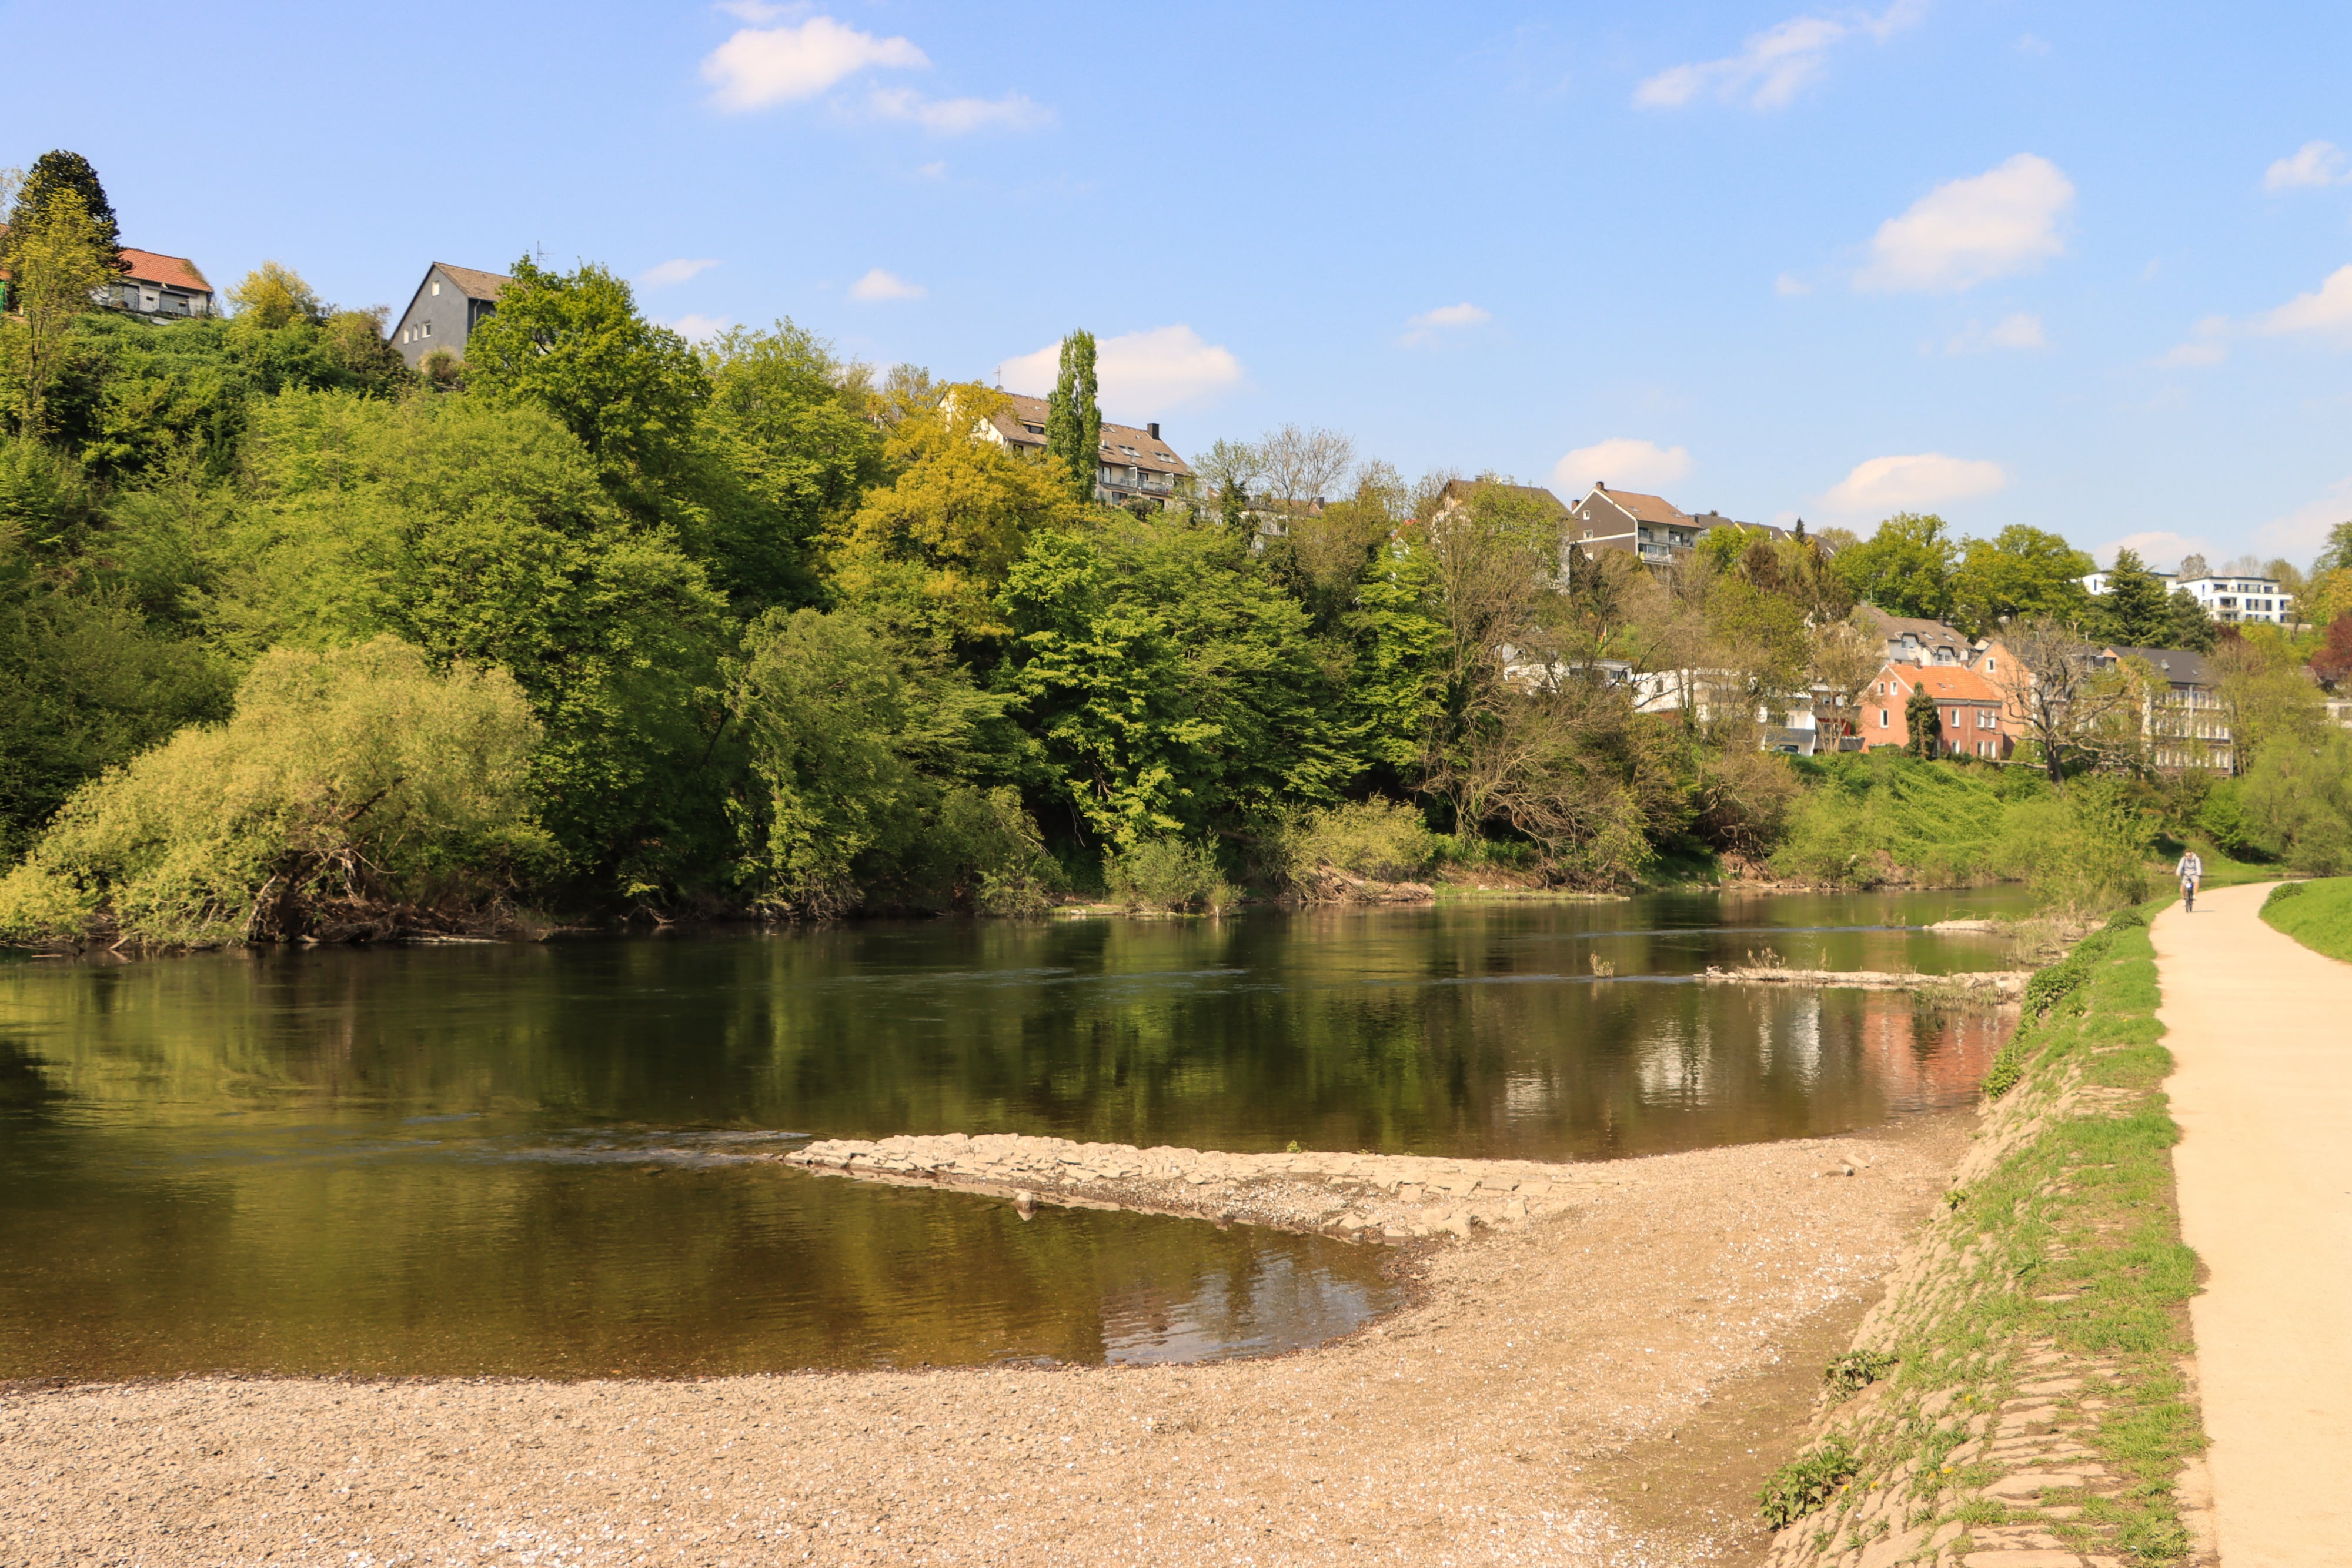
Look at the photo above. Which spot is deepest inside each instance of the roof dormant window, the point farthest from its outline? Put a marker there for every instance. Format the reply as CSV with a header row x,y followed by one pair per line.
x,y
436,288
1034,429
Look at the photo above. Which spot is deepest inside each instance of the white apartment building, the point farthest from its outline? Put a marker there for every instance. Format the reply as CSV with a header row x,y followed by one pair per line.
x,y
2235,599
2096,583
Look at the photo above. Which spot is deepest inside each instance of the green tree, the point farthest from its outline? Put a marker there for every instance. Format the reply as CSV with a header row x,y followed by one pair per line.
x,y
1074,420
272,296
2188,624
1904,569
795,437
1926,723
926,554
2135,611
482,534
59,257
2020,571
51,172
573,344
1172,685
864,757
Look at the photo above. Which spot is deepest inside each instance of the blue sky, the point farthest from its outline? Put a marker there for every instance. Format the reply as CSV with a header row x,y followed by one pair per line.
x,y
2087,267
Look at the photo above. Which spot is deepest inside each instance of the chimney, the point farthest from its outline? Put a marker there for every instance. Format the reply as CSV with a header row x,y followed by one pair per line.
x,y
1154,428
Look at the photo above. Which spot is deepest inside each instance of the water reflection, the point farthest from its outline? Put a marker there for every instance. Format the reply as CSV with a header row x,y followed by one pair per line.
x,y
539,1159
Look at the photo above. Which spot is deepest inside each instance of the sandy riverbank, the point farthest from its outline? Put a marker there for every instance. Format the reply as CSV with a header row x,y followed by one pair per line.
x,y
1665,1328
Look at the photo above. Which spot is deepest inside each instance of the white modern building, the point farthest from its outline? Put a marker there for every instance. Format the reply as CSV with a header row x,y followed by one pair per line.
x,y
2096,583
2234,599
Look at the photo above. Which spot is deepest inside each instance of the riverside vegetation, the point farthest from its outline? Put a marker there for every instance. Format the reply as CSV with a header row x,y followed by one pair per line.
x,y
295,642
2020,1387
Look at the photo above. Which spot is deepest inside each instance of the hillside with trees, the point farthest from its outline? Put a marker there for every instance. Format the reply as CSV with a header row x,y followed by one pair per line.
x,y
297,642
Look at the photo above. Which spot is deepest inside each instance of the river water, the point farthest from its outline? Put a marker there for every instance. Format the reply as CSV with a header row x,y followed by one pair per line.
x,y
543,1159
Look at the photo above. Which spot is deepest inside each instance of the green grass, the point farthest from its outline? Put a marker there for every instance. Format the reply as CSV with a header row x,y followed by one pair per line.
x,y
1867,815
2074,1239
2317,914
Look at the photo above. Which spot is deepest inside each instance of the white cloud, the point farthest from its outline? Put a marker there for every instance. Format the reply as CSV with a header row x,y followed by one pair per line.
x,y
1775,65
878,285
936,170
2018,331
1139,373
2314,164
1789,286
670,272
2208,344
956,116
2327,311
2027,43
761,67
2302,532
1964,232
759,10
1621,461
2160,549
698,328
1920,479
1424,327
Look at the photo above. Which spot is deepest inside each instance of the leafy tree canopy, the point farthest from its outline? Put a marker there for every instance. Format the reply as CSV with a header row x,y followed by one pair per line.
x,y
2019,572
1905,568
62,171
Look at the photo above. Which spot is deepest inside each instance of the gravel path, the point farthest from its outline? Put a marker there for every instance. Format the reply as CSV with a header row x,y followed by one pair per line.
x,y
2262,1091
1491,1423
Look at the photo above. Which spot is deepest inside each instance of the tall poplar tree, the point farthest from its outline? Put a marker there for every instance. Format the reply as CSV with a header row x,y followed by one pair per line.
x,y
1925,721
1073,418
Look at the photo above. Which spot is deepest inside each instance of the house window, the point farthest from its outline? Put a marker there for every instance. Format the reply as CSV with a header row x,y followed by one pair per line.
x,y
436,288
1882,718
1989,665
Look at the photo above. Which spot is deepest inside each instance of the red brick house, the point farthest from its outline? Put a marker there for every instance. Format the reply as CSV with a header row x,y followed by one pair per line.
x,y
1969,705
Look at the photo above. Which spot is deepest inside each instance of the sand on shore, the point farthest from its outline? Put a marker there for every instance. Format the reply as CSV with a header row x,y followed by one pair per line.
x,y
1663,1332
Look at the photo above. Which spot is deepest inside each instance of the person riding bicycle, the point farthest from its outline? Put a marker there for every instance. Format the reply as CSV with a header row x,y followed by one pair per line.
x,y
2192,872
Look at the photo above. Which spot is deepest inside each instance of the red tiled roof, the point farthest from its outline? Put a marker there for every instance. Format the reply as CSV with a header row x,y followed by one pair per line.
x,y
1945,682
1648,508
170,271
1150,451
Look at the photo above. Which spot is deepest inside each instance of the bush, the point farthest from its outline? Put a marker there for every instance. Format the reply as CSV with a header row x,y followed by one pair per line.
x,y
1378,839
1168,873
1806,1483
2085,850
2299,794
346,784
1872,818
1856,1370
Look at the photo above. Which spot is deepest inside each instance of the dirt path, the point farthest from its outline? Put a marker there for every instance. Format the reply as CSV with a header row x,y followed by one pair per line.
x,y
1667,1330
2261,1031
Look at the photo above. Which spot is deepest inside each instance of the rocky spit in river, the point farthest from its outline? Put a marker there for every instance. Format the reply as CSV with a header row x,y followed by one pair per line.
x,y
1603,1380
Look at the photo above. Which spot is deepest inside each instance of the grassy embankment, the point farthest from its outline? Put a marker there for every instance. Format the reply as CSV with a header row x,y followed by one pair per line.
x,y
2066,1239
2317,914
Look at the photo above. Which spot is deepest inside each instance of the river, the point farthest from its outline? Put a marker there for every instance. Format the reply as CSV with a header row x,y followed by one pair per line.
x,y
545,1159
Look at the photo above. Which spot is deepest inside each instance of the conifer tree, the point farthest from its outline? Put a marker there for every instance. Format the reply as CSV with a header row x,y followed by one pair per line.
x,y
2134,612
61,170
1073,418
1926,723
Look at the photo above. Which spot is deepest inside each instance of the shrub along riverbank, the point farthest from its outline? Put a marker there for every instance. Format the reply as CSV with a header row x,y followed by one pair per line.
x,y
2021,1383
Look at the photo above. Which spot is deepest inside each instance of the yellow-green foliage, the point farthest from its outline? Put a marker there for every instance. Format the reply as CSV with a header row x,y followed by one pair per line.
x,y
2317,914
354,776
1879,817
1378,839
1168,873
2299,794
2087,850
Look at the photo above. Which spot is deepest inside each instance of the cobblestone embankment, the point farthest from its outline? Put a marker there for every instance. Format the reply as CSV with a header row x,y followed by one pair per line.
x,y
2027,1400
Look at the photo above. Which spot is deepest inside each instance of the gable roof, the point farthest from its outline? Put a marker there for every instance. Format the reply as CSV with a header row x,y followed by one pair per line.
x,y
1928,632
1945,683
1644,508
1151,451
2178,665
169,271
472,282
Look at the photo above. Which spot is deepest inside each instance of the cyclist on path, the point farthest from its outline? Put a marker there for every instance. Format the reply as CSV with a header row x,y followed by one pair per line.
x,y
2192,872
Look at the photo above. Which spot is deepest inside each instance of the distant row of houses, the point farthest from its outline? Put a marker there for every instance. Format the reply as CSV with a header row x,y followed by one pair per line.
x,y
2233,598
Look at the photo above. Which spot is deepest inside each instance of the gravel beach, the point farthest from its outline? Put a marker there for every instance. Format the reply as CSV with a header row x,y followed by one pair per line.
x,y
1594,1386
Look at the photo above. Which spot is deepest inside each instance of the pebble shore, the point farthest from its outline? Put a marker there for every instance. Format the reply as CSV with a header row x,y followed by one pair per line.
x,y
1633,1307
